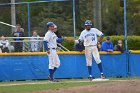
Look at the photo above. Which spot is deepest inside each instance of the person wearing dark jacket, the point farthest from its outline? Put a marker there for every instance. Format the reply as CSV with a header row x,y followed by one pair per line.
x,y
107,45
119,46
18,45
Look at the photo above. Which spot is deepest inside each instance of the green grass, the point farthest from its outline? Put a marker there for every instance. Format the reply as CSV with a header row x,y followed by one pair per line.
x,y
54,86
38,87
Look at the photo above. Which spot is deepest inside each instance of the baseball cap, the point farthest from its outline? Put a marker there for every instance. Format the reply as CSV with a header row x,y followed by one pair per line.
x,y
50,24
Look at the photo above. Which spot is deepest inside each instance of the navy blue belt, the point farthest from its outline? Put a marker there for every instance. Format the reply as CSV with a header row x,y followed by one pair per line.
x,y
52,48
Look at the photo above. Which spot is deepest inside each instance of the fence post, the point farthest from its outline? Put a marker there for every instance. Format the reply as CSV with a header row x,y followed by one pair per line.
x,y
125,26
29,24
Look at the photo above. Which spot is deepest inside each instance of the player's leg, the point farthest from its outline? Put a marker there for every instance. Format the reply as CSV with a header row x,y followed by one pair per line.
x,y
57,64
56,61
55,68
51,65
54,64
88,55
98,60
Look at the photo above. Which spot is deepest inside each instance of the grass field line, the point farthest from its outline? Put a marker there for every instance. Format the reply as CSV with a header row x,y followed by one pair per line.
x,y
47,82
15,84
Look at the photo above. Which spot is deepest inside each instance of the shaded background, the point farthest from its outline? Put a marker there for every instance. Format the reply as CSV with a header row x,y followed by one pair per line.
x,y
61,14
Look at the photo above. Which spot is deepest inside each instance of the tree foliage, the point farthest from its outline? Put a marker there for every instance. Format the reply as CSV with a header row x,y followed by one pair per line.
x,y
61,14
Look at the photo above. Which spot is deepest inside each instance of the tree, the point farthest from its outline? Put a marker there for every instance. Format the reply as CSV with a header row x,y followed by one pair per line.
x,y
61,14
5,17
133,17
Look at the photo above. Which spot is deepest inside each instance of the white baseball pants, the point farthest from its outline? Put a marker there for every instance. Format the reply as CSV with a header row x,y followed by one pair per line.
x,y
92,51
53,59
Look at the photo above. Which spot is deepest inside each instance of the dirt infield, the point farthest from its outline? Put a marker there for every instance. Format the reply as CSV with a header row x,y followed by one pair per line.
x,y
132,86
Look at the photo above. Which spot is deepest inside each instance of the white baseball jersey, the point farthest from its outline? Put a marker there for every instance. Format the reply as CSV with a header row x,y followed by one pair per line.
x,y
51,38
90,37
90,42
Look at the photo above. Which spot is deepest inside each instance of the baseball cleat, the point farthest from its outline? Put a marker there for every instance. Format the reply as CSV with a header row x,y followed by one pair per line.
x,y
102,76
91,78
53,80
49,78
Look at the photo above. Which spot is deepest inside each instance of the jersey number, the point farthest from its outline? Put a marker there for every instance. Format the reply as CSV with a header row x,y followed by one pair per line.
x,y
93,38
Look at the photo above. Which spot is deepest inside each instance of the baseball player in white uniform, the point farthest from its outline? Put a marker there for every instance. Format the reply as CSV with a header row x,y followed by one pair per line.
x,y
89,38
50,44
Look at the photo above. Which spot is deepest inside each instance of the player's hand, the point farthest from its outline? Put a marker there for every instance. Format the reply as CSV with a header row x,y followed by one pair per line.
x,y
48,51
98,43
76,41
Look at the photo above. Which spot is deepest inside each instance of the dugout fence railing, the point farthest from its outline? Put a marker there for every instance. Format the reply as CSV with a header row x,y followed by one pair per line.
x,y
26,44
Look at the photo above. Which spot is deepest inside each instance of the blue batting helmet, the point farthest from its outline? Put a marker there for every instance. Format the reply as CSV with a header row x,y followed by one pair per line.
x,y
50,24
88,23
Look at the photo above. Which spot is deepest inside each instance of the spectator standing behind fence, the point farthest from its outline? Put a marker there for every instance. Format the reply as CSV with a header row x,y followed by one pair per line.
x,y
4,44
57,32
35,43
119,46
18,45
107,45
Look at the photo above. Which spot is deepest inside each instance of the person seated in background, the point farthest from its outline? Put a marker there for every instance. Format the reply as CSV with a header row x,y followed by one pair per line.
x,y
4,44
35,44
107,45
18,45
119,46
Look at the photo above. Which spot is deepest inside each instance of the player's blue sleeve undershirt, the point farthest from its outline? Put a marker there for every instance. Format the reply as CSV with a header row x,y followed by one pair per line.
x,y
60,40
46,45
102,35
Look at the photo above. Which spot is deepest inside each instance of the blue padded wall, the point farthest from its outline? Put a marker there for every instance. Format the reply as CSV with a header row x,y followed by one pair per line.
x,y
72,66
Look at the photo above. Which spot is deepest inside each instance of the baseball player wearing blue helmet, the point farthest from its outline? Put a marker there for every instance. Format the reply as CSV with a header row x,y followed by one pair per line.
x,y
88,23
89,37
50,44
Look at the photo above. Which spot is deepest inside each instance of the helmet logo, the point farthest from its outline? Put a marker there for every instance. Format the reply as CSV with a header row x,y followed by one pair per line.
x,y
88,23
